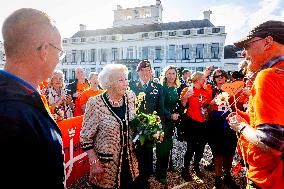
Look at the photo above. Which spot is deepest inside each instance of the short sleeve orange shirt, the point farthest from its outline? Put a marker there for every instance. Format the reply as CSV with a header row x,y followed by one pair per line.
x,y
194,102
82,87
266,106
87,94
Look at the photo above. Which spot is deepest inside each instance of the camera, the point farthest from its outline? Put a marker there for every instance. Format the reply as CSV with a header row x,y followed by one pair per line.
x,y
67,92
56,110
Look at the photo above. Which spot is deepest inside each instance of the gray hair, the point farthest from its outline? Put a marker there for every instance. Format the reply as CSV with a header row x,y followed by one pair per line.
x,y
25,29
109,73
92,74
56,72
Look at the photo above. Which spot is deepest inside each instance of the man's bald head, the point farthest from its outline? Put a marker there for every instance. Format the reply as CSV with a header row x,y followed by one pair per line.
x,y
25,30
80,73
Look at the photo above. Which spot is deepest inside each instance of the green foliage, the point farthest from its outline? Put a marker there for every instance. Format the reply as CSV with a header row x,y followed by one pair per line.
x,y
148,127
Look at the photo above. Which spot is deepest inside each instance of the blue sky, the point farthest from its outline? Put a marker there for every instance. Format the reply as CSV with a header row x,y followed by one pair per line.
x,y
238,16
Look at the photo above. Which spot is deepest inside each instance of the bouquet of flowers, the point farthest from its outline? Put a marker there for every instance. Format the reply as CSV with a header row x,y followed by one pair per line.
x,y
222,100
147,126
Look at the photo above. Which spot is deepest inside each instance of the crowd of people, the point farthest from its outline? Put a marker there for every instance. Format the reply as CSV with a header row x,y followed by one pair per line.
x,y
196,106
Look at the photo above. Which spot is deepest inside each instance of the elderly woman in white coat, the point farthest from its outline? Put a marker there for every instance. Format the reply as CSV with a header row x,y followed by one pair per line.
x,y
106,135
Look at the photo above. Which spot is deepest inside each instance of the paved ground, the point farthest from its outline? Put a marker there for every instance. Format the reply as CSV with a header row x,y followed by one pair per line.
x,y
174,179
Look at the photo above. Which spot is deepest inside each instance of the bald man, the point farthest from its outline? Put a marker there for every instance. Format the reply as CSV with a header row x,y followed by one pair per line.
x,y
76,88
31,155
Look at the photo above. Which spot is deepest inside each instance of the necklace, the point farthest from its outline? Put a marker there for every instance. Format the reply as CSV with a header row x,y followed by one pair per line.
x,y
115,103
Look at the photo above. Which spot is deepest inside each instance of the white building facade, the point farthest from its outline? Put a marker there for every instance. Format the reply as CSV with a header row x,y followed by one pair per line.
x,y
138,33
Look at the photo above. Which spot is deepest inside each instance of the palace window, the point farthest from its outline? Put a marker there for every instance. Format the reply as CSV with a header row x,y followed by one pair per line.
x,y
215,30
83,54
172,33
185,52
129,52
200,31
145,52
103,55
114,53
172,49
158,34
187,32
199,50
93,55
144,35
74,56
158,53
215,50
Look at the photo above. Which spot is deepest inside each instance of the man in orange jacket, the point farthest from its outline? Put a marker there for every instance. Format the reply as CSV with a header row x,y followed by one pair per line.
x,y
262,136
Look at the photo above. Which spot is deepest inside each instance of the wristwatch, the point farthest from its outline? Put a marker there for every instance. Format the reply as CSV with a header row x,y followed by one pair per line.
x,y
242,127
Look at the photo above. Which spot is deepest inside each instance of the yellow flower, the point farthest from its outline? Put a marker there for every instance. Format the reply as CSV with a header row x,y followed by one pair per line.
x,y
222,98
156,135
142,94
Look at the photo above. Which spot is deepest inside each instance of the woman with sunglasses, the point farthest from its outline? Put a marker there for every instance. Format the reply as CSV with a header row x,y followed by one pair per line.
x,y
222,139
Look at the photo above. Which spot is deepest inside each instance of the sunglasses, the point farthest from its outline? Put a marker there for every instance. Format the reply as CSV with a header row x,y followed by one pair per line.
x,y
219,76
248,44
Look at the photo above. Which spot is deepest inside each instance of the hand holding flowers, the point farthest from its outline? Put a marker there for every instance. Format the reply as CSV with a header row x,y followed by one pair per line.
x,y
147,127
222,101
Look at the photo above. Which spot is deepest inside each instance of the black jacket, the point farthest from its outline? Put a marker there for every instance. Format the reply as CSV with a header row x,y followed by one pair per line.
x,y
31,155
72,87
154,99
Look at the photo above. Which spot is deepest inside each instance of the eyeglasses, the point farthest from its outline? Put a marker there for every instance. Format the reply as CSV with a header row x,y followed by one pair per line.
x,y
248,44
61,52
219,76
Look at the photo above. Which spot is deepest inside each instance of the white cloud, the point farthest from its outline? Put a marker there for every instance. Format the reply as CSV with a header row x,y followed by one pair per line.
x,y
239,20
232,17
264,13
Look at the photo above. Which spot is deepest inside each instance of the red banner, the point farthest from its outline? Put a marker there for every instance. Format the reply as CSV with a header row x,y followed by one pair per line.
x,y
76,161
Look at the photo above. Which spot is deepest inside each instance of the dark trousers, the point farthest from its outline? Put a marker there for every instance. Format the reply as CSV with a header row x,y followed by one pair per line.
x,y
144,155
163,151
196,139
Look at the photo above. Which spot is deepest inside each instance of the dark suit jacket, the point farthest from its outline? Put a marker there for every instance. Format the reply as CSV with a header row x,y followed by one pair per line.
x,y
72,87
154,99
182,86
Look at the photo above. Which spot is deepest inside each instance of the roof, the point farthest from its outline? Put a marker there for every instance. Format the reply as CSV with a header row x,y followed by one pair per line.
x,y
145,28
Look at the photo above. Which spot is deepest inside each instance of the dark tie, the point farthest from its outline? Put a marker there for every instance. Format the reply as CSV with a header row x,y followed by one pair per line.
x,y
144,86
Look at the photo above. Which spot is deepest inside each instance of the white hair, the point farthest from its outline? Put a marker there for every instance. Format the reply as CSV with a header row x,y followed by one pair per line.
x,y
110,73
60,72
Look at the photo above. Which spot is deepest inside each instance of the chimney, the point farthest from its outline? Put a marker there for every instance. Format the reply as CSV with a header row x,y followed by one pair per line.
x,y
83,27
207,14
118,7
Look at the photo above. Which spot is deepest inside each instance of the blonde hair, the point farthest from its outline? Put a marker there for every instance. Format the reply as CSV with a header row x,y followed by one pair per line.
x,y
92,74
196,76
163,78
109,73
